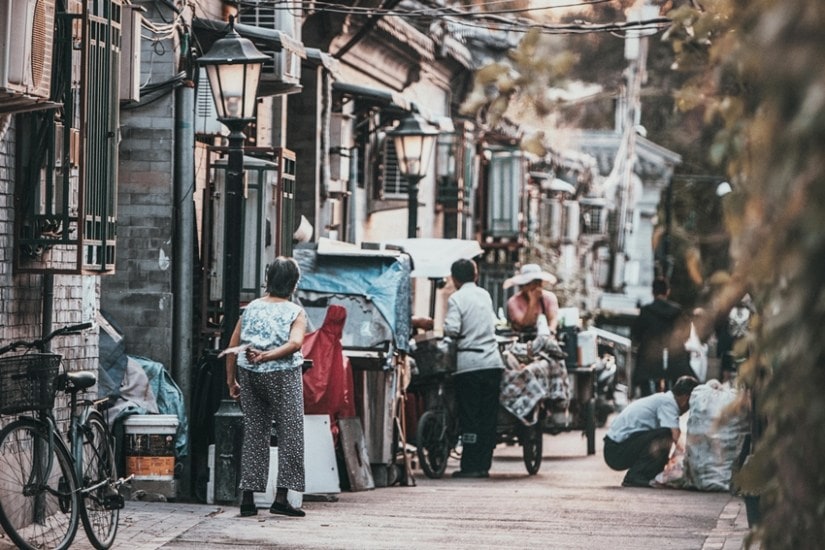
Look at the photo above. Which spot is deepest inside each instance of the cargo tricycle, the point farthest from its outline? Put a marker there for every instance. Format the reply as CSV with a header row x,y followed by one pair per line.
x,y
437,435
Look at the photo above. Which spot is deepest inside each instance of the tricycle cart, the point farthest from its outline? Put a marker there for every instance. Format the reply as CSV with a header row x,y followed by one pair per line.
x,y
567,377
437,436
374,287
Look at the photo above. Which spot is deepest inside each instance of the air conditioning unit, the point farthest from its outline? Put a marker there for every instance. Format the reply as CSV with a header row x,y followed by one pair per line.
x,y
341,144
206,116
130,54
27,33
284,75
269,15
281,75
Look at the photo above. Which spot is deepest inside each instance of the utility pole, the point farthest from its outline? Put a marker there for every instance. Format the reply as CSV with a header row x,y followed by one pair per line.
x,y
628,121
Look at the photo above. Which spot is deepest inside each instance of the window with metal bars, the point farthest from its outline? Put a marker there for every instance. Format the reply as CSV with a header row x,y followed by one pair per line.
x,y
66,197
505,177
393,184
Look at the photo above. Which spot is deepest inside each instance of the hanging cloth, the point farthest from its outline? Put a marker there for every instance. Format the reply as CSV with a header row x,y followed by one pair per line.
x,y
328,385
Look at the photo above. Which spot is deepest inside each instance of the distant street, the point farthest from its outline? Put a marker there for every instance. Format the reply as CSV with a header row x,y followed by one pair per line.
x,y
574,502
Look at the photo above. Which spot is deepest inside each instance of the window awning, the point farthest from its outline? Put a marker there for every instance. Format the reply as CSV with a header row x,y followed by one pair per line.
x,y
391,102
387,100
210,30
318,57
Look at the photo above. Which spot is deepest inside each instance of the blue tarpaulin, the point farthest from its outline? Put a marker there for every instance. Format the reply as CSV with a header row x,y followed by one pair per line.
x,y
381,279
169,399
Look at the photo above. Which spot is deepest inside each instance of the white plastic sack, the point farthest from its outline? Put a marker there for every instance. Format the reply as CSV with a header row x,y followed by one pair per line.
x,y
714,433
674,473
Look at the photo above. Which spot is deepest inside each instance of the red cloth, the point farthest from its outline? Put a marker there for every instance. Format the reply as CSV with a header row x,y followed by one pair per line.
x,y
328,385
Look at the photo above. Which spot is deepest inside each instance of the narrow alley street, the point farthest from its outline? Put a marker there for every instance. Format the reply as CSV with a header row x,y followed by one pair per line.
x,y
574,502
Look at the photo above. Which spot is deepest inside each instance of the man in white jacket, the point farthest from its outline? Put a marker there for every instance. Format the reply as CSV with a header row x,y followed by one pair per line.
x,y
470,320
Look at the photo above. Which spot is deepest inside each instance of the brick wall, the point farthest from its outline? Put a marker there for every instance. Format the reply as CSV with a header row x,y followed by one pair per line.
x,y
138,297
21,295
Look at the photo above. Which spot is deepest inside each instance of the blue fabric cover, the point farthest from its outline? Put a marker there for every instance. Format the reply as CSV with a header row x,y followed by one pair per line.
x,y
169,398
383,280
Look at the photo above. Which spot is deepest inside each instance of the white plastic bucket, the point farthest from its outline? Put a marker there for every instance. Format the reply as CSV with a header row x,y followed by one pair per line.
x,y
150,446
588,349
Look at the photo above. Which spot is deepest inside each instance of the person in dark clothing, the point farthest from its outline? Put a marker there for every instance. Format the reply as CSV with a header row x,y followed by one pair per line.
x,y
640,438
660,333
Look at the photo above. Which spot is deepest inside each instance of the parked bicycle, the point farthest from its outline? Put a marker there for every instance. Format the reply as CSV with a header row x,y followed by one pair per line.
x,y
438,431
48,482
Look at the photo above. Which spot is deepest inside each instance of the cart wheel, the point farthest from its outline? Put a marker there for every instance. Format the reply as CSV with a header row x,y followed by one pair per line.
x,y
590,425
433,443
531,439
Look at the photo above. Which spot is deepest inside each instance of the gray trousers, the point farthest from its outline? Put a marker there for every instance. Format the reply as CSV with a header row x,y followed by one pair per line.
x,y
266,397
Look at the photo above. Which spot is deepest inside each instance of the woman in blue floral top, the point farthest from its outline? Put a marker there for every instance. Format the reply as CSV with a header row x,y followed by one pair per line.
x,y
266,376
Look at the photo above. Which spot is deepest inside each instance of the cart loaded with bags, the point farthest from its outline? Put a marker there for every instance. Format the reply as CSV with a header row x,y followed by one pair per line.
x,y
520,418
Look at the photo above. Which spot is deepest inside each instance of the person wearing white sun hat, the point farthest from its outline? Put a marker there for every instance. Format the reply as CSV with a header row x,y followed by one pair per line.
x,y
532,300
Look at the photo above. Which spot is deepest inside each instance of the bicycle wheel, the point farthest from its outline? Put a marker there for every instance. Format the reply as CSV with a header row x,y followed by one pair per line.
x,y
590,425
531,440
38,488
101,501
433,443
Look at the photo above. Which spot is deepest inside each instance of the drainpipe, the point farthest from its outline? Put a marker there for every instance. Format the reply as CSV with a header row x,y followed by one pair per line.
x,y
352,234
48,304
183,251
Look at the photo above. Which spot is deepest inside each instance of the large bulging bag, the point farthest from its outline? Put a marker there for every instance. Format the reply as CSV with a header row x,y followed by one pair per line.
x,y
715,428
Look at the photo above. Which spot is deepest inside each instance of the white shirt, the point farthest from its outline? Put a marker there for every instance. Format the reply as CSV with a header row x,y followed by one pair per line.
x,y
659,410
471,321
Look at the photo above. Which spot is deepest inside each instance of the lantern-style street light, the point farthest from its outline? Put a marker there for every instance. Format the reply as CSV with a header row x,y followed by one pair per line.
x,y
233,66
414,142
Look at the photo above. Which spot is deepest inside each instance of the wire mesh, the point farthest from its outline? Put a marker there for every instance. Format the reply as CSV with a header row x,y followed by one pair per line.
x,y
28,382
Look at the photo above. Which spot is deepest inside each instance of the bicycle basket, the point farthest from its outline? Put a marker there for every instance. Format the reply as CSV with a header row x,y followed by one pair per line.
x,y
28,382
434,357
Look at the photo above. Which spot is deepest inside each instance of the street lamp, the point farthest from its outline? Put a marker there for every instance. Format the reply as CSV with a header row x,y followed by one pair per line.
x,y
233,66
414,141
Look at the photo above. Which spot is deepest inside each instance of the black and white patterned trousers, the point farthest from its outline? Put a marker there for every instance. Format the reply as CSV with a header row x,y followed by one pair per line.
x,y
268,396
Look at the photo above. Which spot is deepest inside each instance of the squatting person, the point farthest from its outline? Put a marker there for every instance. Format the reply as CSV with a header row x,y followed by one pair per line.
x,y
640,437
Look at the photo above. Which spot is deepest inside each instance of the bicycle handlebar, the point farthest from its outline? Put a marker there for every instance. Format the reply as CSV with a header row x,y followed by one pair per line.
x,y
41,342
70,329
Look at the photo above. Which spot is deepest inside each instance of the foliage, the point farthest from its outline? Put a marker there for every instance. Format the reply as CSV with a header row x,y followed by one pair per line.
x,y
760,75
532,68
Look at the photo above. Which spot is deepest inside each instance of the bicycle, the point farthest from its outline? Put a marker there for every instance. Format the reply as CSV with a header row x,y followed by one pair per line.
x,y
48,482
438,431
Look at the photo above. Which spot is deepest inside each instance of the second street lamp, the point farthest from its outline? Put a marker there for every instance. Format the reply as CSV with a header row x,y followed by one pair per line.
x,y
233,65
414,141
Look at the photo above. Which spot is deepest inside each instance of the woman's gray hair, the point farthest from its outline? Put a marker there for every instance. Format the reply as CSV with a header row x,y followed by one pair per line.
x,y
282,277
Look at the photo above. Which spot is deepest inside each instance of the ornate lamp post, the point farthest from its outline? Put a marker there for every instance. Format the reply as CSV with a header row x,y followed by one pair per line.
x,y
233,66
414,141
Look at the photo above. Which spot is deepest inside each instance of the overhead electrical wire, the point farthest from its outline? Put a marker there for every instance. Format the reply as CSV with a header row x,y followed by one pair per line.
x,y
334,7
475,19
